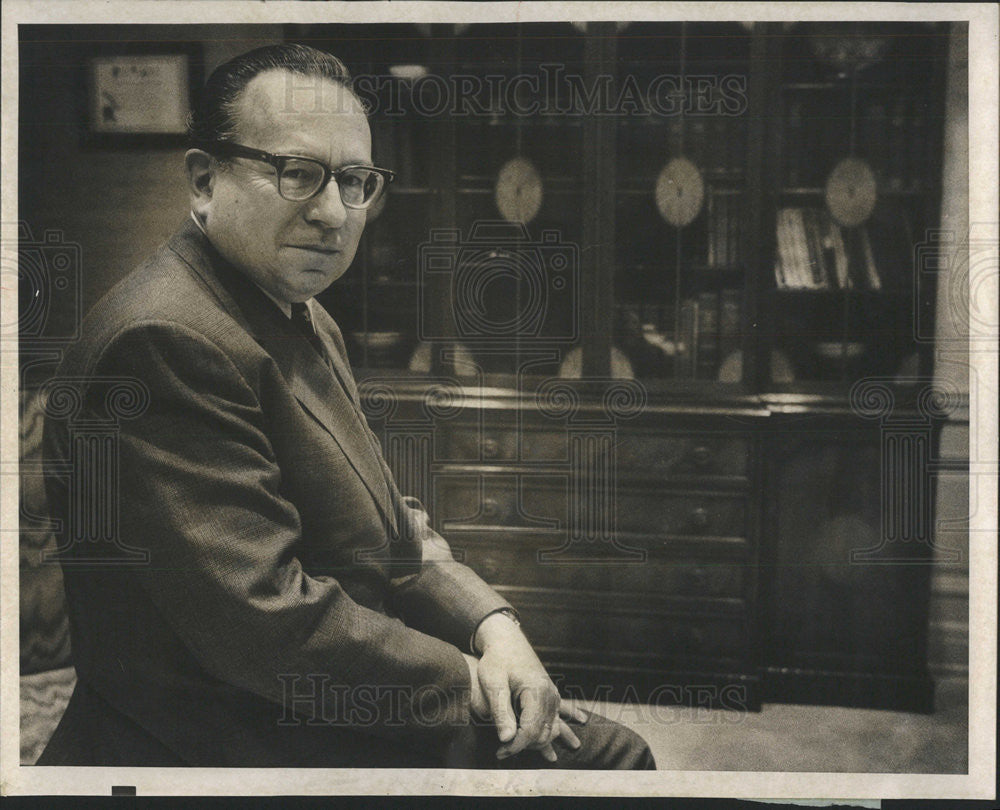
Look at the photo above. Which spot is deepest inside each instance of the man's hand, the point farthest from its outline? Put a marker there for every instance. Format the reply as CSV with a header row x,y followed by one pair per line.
x,y
519,696
478,704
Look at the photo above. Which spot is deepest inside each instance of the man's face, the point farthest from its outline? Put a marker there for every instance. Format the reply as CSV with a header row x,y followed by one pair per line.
x,y
294,250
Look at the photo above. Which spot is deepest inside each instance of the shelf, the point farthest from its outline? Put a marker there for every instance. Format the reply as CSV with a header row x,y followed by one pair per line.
x,y
820,191
372,283
844,85
562,119
491,189
698,269
632,188
410,191
837,292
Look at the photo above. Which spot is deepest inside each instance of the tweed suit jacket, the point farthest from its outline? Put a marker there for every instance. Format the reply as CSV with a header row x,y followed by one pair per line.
x,y
295,609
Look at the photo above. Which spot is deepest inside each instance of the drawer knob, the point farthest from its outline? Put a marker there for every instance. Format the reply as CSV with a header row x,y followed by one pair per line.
x,y
701,455
698,576
491,448
489,567
490,507
695,638
699,518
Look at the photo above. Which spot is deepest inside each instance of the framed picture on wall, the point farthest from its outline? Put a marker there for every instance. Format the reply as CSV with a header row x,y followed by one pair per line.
x,y
140,97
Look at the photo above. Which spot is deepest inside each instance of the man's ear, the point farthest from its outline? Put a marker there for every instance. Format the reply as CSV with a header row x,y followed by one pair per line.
x,y
201,169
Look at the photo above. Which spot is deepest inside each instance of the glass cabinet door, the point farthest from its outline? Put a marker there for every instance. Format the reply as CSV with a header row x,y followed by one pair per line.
x,y
376,303
472,265
518,239
680,273
855,156
704,206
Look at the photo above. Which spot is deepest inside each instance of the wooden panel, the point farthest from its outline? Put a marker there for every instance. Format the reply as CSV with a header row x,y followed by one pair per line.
x,y
502,562
828,605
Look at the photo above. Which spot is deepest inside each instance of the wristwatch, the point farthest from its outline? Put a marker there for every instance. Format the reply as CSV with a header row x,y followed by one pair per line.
x,y
510,613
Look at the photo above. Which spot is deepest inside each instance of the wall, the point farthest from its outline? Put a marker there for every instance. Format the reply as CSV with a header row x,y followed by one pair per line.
x,y
949,630
117,204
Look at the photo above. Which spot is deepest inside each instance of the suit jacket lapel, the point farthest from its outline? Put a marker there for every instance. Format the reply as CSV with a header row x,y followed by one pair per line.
x,y
322,395
308,377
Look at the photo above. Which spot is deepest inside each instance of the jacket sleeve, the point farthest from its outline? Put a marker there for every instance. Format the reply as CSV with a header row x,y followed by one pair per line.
x,y
447,599
201,489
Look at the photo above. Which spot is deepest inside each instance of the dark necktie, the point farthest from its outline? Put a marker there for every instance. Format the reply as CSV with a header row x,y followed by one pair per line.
x,y
302,322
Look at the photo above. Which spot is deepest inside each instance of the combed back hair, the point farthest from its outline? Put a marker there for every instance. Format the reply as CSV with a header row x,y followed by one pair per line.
x,y
214,115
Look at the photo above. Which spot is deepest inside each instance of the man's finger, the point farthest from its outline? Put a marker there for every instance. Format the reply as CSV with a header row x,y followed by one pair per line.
x,y
569,710
535,723
498,697
567,735
549,753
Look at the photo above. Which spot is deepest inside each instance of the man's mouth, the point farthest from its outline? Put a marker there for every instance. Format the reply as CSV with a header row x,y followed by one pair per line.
x,y
326,250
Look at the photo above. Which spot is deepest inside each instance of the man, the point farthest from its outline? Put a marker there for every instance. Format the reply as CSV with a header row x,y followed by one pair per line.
x,y
296,609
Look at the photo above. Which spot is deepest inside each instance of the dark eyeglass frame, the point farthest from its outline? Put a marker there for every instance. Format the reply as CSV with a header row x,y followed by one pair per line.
x,y
231,149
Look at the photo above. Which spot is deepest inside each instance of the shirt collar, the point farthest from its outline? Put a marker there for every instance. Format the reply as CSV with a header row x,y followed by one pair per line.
x,y
284,306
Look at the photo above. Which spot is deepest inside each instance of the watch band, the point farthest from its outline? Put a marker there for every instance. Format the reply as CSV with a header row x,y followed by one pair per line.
x,y
510,613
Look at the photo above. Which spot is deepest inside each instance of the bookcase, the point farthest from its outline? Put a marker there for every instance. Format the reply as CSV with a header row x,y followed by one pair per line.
x,y
615,323
855,162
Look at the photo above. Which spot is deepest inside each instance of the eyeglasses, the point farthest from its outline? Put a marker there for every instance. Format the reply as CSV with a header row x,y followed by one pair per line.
x,y
302,178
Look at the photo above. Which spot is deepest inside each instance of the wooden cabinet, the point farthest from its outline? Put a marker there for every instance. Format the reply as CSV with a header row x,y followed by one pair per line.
x,y
720,225
846,571
629,549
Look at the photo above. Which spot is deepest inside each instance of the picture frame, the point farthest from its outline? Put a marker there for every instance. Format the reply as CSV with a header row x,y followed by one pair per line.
x,y
140,96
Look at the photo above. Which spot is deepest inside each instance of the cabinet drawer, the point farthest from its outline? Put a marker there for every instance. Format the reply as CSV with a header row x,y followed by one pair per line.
x,y
682,513
659,455
516,562
543,502
485,500
470,444
660,637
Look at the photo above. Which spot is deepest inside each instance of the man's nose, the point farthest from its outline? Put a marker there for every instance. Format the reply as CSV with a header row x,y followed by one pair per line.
x,y
327,208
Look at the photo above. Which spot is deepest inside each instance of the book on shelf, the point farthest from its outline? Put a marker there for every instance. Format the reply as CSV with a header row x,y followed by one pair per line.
x,y
815,253
687,332
730,303
715,218
724,228
708,329
793,137
707,336
871,270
